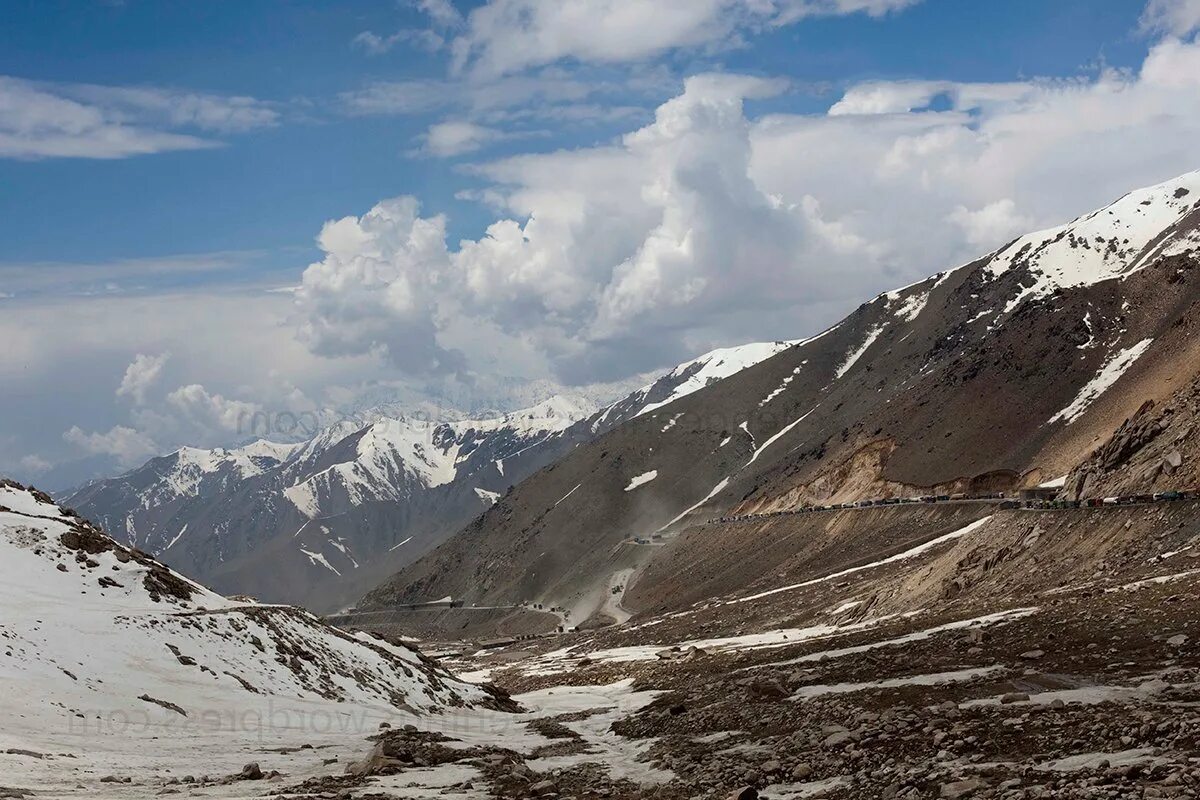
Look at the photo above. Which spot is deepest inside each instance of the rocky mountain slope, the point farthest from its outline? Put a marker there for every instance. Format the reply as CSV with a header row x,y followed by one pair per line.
x,y
319,522
1004,373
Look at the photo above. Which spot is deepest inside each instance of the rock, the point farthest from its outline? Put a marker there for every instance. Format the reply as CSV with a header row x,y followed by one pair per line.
x,y
770,767
801,772
543,787
251,772
1033,655
957,789
1178,641
835,740
767,689
745,793
1014,697
1173,460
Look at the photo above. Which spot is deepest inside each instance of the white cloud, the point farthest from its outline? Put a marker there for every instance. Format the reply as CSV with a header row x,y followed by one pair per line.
x,y
141,374
456,137
1175,17
996,222
34,464
375,290
39,120
441,12
128,446
211,412
506,36
376,45
706,227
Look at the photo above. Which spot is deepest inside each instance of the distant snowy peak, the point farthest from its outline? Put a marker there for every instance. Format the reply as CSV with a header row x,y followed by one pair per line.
x,y
1114,242
553,414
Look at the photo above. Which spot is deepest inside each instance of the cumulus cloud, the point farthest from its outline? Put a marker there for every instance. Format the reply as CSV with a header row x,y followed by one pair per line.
x,y
141,374
41,120
211,412
993,223
376,289
707,226
506,36
1175,17
128,446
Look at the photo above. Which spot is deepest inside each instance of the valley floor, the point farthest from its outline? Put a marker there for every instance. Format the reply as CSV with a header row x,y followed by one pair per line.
x,y
982,657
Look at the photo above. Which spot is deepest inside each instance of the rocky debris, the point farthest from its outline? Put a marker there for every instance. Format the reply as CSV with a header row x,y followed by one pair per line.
x,y
16,751
399,749
163,703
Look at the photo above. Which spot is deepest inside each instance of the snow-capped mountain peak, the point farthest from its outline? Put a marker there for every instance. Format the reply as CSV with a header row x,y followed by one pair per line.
x,y
1113,242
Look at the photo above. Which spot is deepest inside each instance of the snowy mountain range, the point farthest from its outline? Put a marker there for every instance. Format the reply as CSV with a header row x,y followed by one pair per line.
x,y
319,522
1004,373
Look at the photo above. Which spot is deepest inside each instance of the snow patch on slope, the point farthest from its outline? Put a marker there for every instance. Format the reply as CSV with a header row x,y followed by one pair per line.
x,y
1108,375
641,480
853,357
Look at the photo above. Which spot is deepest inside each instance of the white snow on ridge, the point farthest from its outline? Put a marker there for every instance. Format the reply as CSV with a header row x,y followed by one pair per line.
x,y
714,366
1100,246
912,306
1108,375
102,652
641,480
23,502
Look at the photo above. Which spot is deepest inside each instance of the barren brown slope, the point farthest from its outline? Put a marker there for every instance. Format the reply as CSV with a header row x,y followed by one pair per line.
x,y
1003,373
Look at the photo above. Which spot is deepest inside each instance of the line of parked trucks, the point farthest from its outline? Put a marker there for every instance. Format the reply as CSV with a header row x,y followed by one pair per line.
x,y
1005,502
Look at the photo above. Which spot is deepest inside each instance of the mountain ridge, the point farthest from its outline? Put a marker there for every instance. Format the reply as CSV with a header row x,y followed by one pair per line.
x,y
318,522
1000,374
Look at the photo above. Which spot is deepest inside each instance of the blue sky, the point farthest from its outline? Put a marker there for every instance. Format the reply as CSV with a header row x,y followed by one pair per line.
x,y
272,188
209,208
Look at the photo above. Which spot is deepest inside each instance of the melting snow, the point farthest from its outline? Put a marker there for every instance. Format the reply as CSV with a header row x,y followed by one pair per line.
x,y
565,496
317,558
486,496
1109,374
720,487
758,451
820,690
855,355
915,551
642,479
